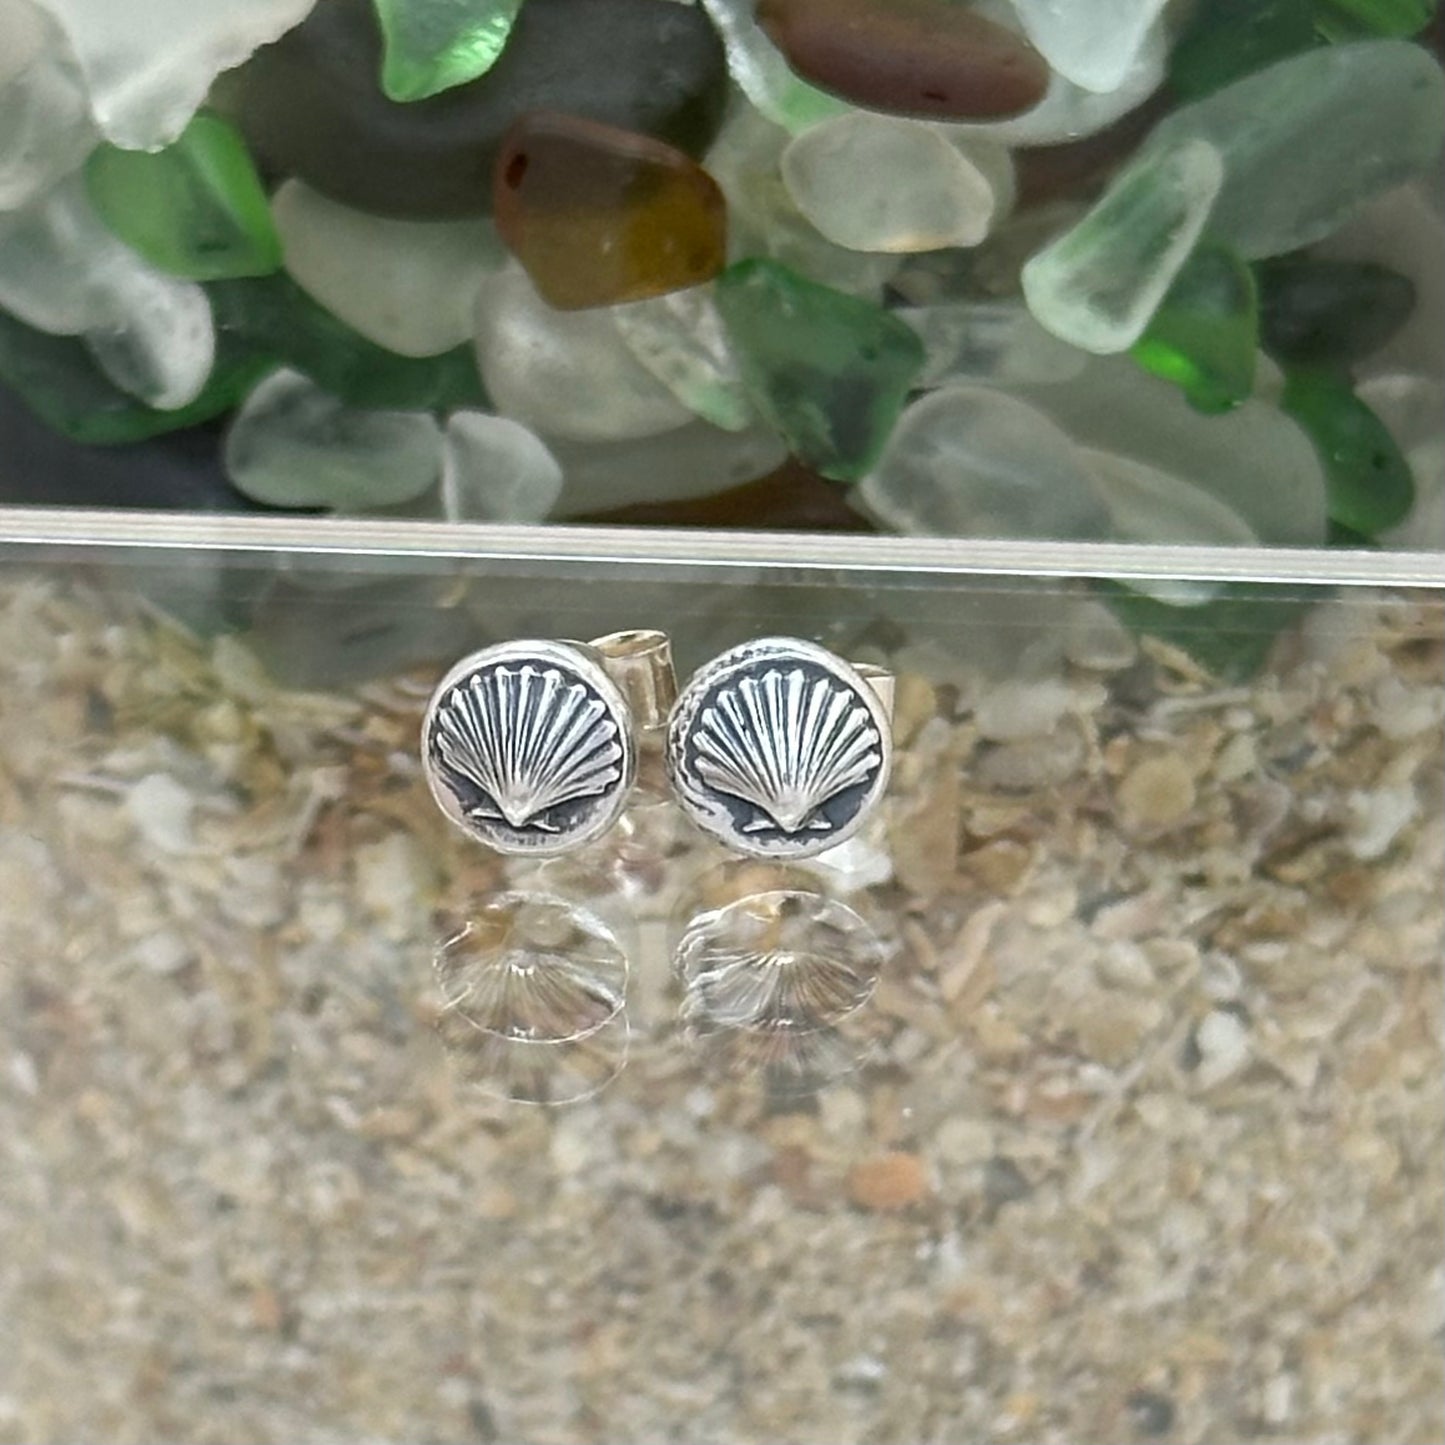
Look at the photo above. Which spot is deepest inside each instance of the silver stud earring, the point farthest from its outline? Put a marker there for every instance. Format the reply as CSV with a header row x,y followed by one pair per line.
x,y
779,749
530,746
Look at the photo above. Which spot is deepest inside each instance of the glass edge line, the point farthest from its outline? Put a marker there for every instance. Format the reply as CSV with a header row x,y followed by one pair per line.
x,y
668,547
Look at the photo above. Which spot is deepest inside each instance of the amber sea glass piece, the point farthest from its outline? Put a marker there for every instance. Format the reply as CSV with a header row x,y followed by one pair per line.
x,y
932,58
598,215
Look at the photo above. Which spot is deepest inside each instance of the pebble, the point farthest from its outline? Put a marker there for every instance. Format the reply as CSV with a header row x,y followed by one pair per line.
x,y
294,445
1156,793
311,106
1032,763
829,371
1019,708
408,286
1377,818
495,470
148,67
429,48
598,215
1098,285
46,128
879,183
888,1182
1094,638
963,1142
565,373
163,812
909,57
393,875
1223,1045
1111,1026
974,462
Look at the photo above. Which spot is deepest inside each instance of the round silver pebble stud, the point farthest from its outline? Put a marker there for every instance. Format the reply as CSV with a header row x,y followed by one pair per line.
x,y
528,747
779,749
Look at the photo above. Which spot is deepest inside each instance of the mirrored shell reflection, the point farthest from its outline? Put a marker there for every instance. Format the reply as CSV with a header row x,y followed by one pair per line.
x,y
531,995
776,982
532,968
530,1071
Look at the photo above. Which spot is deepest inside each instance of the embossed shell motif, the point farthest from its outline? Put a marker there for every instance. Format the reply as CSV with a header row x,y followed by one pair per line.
x,y
528,739
787,742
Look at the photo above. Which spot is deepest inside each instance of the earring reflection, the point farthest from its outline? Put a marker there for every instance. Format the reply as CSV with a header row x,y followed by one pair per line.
x,y
776,978
531,996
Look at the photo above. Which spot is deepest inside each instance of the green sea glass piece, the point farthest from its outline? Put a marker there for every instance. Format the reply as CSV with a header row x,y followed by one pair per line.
x,y
1228,39
1357,19
1098,284
1329,313
1231,634
1310,138
1205,334
275,316
831,372
1369,484
195,209
432,45
60,381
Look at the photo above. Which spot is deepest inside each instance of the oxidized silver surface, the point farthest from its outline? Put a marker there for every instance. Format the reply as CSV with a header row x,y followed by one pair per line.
x,y
778,748
527,746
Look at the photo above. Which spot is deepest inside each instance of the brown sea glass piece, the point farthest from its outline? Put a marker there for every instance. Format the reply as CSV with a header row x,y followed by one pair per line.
x,y
792,498
598,215
933,58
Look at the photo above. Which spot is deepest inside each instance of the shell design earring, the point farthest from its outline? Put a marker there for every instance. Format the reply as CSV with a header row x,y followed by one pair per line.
x,y
529,746
779,749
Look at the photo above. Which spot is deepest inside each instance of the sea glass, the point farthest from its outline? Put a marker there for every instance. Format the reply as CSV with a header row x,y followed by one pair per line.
x,y
1205,335
830,371
294,445
46,128
910,57
1370,486
194,208
598,215
431,46
408,286
148,66
1098,285
879,183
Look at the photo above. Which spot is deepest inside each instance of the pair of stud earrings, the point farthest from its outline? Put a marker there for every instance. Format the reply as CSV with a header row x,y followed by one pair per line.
x,y
777,748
